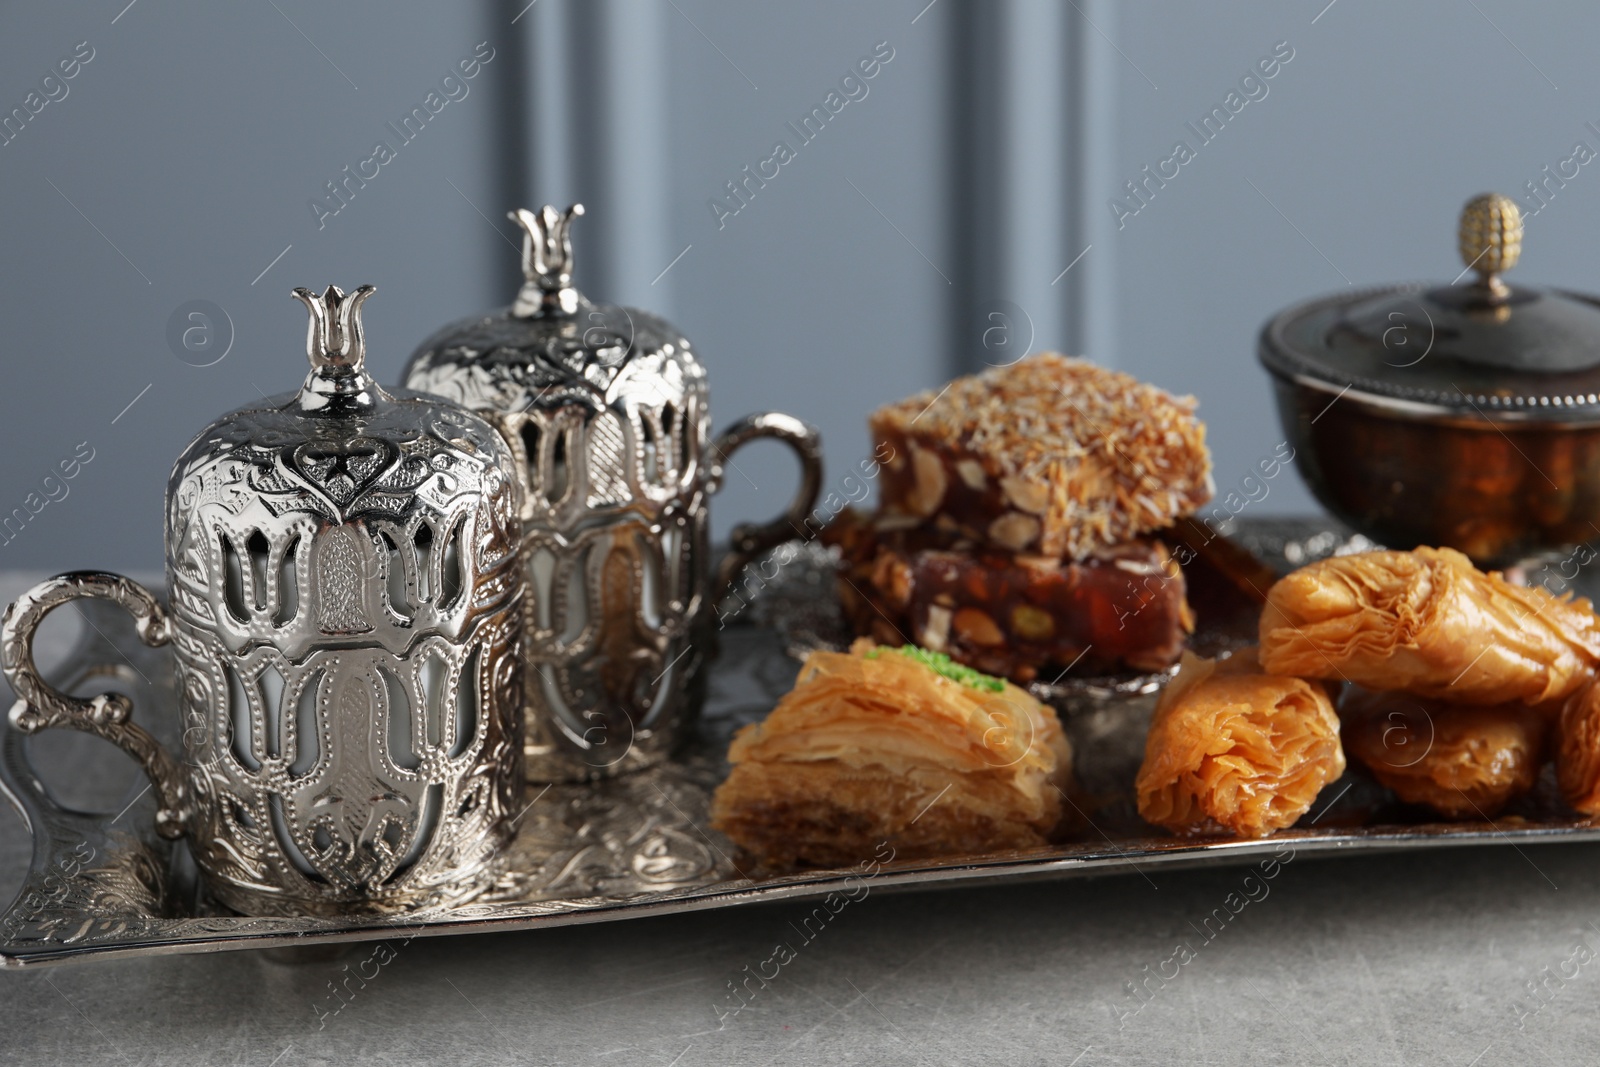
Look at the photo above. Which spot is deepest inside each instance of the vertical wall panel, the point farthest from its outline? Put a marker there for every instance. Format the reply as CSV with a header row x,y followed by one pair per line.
x,y
510,149
618,115
1027,89
550,168
1035,192
977,215
182,166
1090,139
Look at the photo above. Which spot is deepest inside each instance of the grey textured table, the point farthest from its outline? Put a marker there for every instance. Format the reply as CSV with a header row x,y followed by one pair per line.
x,y
1445,957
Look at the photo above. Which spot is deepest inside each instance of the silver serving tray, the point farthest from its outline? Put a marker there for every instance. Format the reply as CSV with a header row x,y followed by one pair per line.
x,y
104,884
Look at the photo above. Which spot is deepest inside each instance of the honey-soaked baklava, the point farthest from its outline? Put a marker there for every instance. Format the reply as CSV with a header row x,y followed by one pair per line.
x,y
895,746
1578,750
1429,623
1234,750
1464,761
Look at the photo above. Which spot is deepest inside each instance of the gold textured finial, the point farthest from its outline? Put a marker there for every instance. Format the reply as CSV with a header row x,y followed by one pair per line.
x,y
1490,240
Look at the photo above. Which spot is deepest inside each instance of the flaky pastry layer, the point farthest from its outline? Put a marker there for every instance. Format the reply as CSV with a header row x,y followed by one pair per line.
x,y
872,747
1578,750
1429,623
1232,749
1465,761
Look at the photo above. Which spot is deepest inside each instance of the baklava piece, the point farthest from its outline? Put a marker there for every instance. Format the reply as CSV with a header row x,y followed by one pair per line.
x,y
1578,750
1428,622
1233,750
1049,455
898,746
1463,761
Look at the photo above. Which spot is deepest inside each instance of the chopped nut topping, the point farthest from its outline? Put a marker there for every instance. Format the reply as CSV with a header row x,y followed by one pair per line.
x,y
1097,455
928,470
1014,530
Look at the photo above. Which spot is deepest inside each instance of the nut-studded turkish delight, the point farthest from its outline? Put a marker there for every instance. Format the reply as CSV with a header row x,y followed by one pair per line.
x,y
1018,615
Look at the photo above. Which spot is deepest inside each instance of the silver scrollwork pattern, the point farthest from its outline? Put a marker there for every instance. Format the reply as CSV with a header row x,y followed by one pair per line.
x,y
347,617
606,412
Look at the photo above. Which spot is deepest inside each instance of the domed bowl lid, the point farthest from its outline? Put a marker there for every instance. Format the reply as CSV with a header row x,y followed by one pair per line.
x,y
1479,348
339,403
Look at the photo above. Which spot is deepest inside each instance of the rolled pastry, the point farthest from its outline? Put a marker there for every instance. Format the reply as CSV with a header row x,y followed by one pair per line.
x,y
1232,749
896,746
1430,623
1464,761
1578,750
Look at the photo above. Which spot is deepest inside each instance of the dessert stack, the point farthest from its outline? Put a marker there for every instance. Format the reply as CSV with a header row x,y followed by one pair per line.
x,y
1018,521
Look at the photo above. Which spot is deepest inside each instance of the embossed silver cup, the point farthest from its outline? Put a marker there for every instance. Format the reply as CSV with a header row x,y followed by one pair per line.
x,y
345,614
608,412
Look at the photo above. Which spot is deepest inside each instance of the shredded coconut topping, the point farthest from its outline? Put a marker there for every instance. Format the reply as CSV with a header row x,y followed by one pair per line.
x,y
1116,456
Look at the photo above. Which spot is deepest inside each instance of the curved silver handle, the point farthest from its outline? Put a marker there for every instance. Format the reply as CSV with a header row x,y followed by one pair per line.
x,y
749,540
40,706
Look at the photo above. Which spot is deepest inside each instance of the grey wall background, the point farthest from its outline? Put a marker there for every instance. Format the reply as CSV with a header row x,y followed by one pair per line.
x,y
922,234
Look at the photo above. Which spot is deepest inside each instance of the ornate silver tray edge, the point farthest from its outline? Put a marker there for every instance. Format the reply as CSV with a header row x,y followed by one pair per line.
x,y
965,871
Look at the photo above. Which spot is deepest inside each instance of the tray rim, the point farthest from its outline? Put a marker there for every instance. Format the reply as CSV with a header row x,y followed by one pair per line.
x,y
1091,862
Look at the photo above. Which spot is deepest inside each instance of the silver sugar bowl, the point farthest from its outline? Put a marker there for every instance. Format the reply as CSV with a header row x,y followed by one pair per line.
x,y
345,614
607,411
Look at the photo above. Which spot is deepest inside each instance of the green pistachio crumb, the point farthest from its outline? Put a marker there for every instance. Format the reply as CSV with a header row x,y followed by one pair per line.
x,y
945,667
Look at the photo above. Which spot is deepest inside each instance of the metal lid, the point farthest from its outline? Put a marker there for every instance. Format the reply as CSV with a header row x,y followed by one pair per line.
x,y
1480,348
361,510
343,432
553,346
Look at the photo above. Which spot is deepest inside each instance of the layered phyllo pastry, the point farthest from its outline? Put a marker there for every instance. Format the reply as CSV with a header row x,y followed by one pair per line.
x,y
1234,750
899,746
